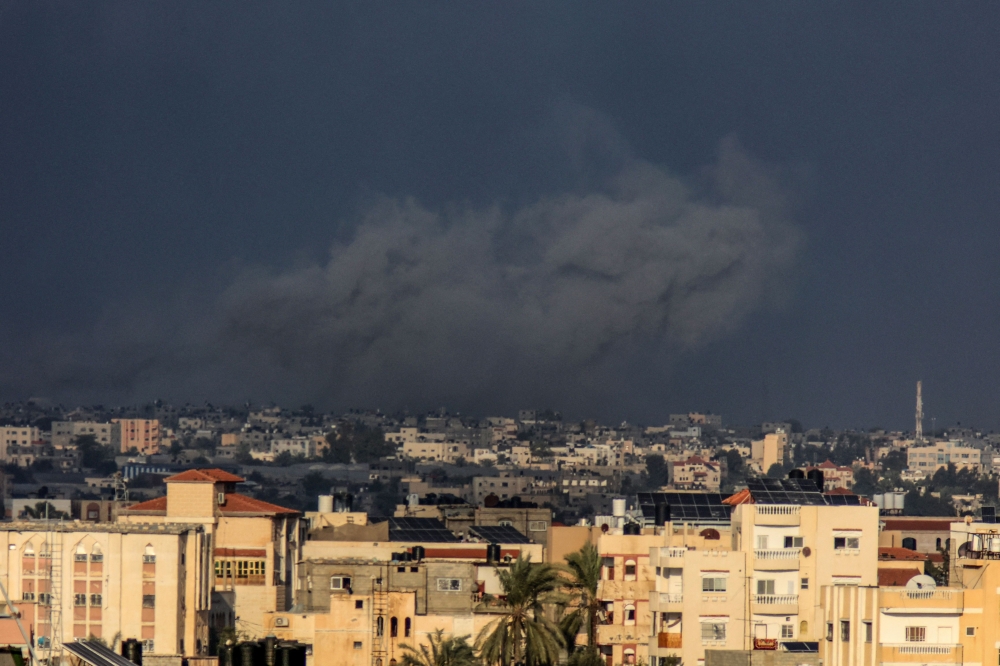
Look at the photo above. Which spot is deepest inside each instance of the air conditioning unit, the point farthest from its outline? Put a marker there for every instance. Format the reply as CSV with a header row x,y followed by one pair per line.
x,y
281,621
222,498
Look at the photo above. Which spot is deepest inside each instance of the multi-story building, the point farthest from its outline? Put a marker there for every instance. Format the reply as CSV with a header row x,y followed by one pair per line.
x,y
770,450
834,476
928,459
140,434
65,432
447,451
297,446
72,580
254,543
15,437
695,473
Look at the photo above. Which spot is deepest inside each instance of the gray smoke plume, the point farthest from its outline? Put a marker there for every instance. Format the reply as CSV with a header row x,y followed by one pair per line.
x,y
476,308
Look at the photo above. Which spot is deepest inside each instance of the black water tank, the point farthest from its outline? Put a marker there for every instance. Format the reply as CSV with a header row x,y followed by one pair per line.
x,y
493,553
796,474
249,654
632,529
816,476
418,553
292,654
661,514
132,650
226,655
270,646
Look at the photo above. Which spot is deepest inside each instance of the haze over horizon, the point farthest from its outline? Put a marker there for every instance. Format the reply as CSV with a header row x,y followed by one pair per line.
x,y
766,211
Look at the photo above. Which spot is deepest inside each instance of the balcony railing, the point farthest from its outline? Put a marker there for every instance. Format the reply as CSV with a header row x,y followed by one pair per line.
x,y
671,597
775,599
777,553
921,653
777,510
672,552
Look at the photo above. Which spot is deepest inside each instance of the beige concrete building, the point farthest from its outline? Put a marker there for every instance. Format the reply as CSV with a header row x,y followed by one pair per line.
x,y
928,459
65,432
140,434
255,545
13,437
770,450
75,580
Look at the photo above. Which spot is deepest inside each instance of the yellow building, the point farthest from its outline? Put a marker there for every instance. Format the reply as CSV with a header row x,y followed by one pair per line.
x,y
140,434
929,459
770,450
111,581
255,545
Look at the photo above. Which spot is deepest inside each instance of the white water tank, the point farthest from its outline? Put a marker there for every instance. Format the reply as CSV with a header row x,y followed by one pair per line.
x,y
618,507
325,504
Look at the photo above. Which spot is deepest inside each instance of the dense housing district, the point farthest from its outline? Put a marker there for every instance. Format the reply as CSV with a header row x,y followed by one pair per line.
x,y
192,531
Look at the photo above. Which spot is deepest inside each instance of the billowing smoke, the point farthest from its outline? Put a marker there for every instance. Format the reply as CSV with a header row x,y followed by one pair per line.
x,y
424,307
476,308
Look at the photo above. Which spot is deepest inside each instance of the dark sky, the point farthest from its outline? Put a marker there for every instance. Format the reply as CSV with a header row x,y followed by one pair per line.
x,y
765,210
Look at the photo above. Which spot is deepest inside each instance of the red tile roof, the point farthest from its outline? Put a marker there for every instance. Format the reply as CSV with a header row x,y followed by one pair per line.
x,y
838,491
742,497
896,577
888,553
236,504
206,476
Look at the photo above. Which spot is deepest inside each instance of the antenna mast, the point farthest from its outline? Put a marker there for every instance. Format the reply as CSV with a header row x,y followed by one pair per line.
x,y
920,413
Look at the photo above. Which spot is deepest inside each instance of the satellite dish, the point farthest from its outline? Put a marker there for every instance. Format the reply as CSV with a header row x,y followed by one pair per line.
x,y
921,582
963,550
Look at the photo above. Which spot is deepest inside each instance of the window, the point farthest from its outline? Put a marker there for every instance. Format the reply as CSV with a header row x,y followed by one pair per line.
x,y
148,646
449,585
357,645
506,523
852,543
380,626
658,570
845,630
713,631
96,600
629,613
359,604
793,542
630,568
393,627
868,632
79,599
765,587
910,543
970,631
829,631
149,556
149,601
340,583
717,584
762,542
787,631
537,526
400,569
406,628
916,634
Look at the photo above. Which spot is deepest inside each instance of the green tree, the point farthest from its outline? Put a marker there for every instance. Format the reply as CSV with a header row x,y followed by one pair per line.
x,y
440,651
894,461
95,456
656,471
584,567
523,634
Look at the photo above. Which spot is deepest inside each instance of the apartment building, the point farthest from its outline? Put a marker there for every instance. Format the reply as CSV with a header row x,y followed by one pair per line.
x,y
255,544
447,451
762,587
72,580
140,434
835,477
296,446
13,437
64,433
930,458
695,473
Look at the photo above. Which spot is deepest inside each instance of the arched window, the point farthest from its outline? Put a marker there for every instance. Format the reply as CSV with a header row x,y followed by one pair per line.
x,y
393,627
95,554
149,555
629,613
910,542
406,628
629,569
937,543
81,554
380,625
803,628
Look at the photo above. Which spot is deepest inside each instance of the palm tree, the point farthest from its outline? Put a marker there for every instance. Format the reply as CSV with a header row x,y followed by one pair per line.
x,y
453,651
523,635
584,568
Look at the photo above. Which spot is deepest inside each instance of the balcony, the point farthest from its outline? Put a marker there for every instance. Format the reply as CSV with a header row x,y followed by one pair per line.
x,y
669,602
775,604
921,653
784,515
903,600
672,557
777,559
667,640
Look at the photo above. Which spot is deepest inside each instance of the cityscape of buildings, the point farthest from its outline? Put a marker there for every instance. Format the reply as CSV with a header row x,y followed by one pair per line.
x,y
190,530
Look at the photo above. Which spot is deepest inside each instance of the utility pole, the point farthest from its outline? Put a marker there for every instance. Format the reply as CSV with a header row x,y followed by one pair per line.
x,y
920,413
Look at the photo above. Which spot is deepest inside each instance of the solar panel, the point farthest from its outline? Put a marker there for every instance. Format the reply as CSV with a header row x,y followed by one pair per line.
x,y
803,492
800,646
690,507
989,514
430,530
96,654
499,534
